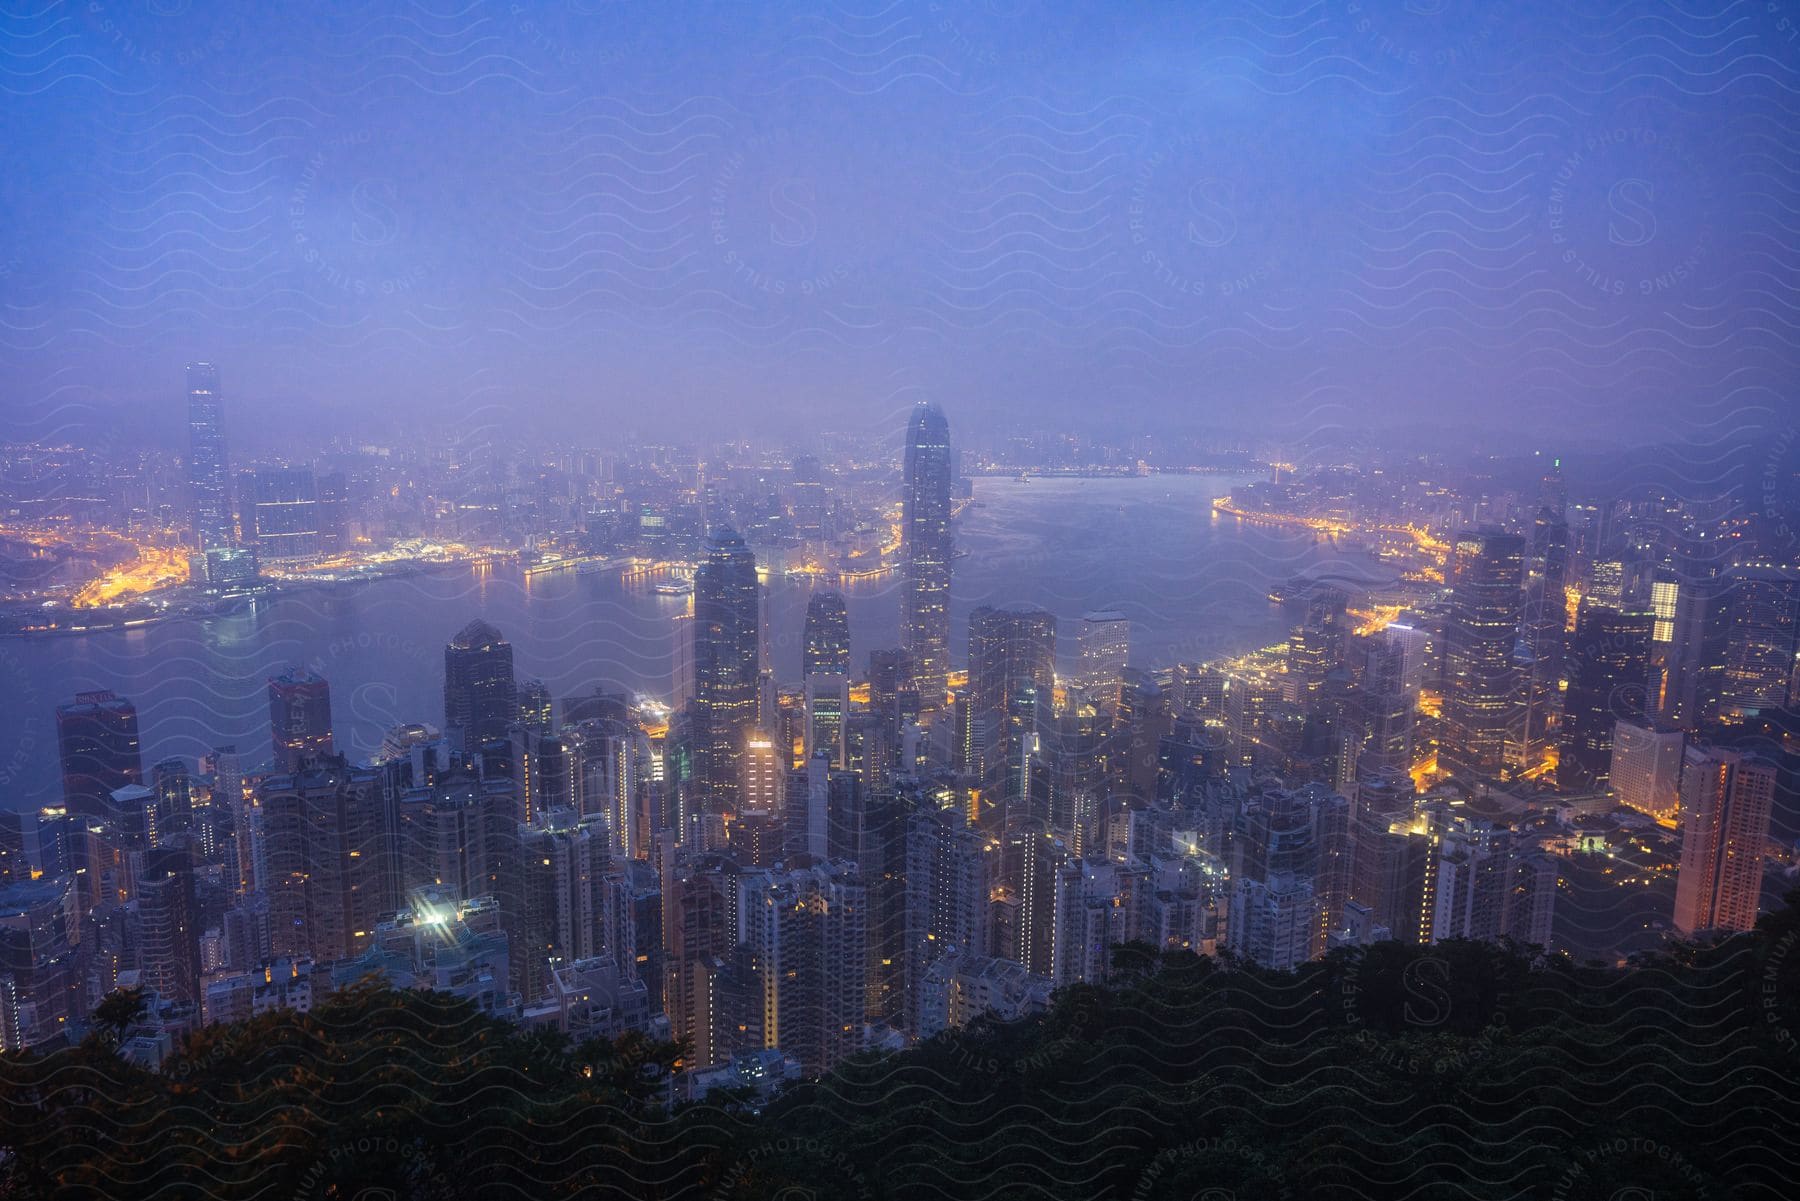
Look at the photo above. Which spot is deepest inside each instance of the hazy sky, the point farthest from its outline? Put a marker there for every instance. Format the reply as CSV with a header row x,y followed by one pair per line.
x,y
644,216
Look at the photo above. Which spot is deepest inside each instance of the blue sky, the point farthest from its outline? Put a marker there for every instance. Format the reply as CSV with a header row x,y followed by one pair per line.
x,y
607,216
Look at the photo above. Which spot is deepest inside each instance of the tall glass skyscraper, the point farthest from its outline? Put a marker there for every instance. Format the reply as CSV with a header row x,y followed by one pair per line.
x,y
926,550
827,636
207,479
1483,689
726,666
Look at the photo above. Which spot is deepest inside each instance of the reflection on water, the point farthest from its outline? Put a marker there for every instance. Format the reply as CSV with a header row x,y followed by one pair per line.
x,y
1195,587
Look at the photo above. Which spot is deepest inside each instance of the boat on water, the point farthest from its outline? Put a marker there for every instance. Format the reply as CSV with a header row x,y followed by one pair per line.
x,y
677,588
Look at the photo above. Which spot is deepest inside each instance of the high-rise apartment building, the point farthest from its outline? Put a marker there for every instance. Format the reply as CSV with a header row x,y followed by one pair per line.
x,y
481,697
1726,802
299,717
97,736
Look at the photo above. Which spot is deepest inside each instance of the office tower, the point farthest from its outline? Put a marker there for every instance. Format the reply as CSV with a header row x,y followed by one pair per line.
x,y
1698,638
1414,644
169,950
762,783
809,497
1104,648
328,847
1546,616
827,717
1012,675
1726,802
808,929
1316,648
299,717
827,649
726,667
681,667
208,474
1646,768
481,698
284,514
536,709
97,736
1483,697
926,551
1609,670
549,772
1762,643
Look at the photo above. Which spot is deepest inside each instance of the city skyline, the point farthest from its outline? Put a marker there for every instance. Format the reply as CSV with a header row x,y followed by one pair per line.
x,y
847,598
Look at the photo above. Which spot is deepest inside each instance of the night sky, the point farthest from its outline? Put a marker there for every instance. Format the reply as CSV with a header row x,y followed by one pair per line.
x,y
1570,220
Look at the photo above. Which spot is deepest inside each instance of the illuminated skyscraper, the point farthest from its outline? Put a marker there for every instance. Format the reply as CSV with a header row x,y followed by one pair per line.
x,y
1483,697
1699,631
1762,644
207,471
481,696
285,517
762,782
726,666
1726,802
299,717
1105,648
827,636
926,549
1646,768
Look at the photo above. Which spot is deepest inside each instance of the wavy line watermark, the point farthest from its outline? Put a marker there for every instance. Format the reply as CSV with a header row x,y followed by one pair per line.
x,y
1628,212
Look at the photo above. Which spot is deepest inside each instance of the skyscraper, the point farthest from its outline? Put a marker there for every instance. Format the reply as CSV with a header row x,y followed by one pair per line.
x,y
1726,802
1609,670
926,550
827,636
285,515
481,697
1105,648
170,924
1012,673
299,717
1483,698
1646,768
726,667
1762,646
207,471
97,735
